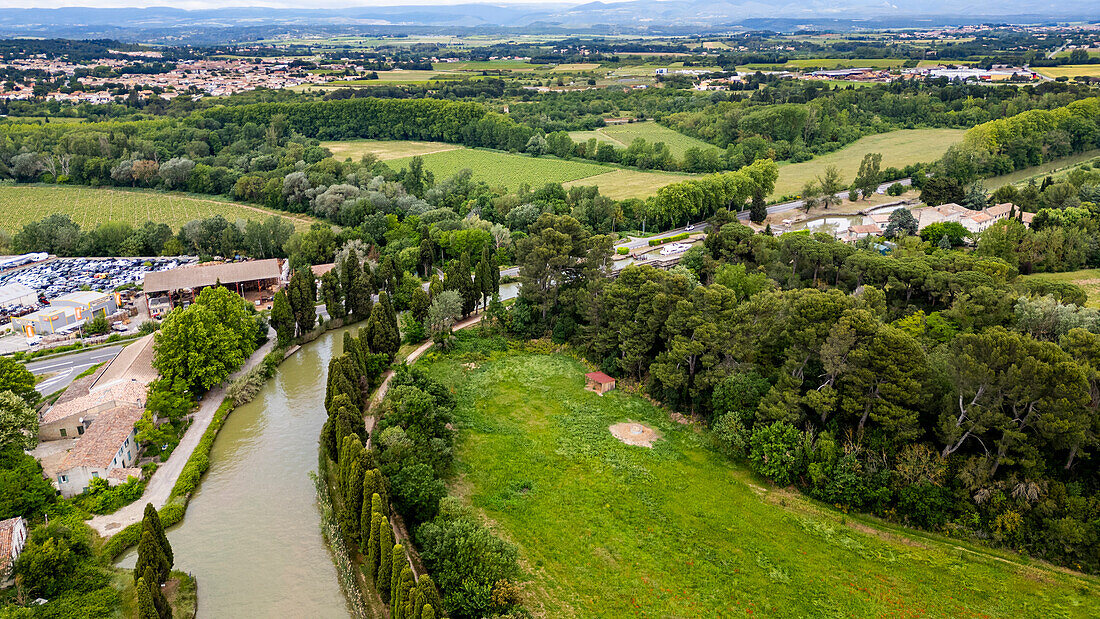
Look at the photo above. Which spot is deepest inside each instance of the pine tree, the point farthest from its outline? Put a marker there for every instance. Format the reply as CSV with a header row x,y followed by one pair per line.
x,y
759,210
146,608
152,520
945,243
397,561
385,549
373,544
151,555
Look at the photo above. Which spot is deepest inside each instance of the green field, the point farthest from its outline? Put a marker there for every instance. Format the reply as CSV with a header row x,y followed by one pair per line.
x,y
898,148
1070,70
827,63
611,530
1087,279
385,149
623,183
91,206
622,135
504,169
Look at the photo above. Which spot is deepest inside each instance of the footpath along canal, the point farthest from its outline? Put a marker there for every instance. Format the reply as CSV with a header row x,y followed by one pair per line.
x,y
251,535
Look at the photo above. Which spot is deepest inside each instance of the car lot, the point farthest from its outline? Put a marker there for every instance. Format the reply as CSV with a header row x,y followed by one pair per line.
x,y
60,276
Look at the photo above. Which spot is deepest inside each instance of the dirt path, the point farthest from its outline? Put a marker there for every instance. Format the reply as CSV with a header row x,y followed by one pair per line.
x,y
164,478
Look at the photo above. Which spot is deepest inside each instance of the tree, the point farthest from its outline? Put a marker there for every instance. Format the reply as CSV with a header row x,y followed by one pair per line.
x,y
150,555
151,521
398,562
830,185
176,171
775,453
333,295
901,223
975,199
385,549
282,318
941,190
16,378
199,347
867,180
445,308
146,607
759,210
419,304
302,294
18,422
811,195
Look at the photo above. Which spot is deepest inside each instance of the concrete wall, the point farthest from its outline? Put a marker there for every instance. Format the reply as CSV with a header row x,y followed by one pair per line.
x,y
71,425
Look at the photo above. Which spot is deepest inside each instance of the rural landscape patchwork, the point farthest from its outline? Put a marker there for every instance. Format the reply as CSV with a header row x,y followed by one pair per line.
x,y
646,308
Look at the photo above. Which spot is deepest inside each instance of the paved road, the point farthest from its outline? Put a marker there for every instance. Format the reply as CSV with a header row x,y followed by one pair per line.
x,y
68,367
797,204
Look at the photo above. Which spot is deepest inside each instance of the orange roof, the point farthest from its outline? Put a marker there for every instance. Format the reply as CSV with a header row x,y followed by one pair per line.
x,y
98,446
599,377
864,229
7,535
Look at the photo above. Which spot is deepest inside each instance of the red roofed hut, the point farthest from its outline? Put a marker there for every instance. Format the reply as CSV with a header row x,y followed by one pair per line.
x,y
599,382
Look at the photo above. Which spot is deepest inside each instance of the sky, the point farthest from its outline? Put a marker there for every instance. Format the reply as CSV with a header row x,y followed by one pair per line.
x,y
214,4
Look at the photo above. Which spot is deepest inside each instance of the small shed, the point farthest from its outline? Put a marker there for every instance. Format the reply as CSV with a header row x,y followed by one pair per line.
x,y
599,382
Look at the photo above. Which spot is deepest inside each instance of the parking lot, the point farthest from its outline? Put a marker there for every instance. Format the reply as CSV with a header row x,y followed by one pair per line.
x,y
60,276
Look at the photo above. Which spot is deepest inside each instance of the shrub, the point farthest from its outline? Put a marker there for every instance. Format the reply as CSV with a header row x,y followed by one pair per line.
x,y
895,189
775,452
622,251
731,436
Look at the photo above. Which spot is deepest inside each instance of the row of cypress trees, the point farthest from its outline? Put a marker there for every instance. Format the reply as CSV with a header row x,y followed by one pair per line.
x,y
154,564
364,511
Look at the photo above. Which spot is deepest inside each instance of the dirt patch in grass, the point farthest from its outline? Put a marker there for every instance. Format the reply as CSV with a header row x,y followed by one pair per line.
x,y
633,433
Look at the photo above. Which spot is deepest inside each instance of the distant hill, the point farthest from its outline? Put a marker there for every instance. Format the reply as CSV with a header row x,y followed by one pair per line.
x,y
160,24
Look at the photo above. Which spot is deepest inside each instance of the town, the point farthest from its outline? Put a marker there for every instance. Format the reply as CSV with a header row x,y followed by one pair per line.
x,y
519,311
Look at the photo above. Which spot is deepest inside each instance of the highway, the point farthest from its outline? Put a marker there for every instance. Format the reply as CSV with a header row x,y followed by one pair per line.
x,y
68,367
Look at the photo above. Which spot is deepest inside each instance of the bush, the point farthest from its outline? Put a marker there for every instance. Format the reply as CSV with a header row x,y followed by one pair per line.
x,y
622,251
731,436
775,452
668,239
896,189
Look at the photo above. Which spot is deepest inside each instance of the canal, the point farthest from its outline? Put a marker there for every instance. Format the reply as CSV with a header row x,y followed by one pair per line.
x,y
251,535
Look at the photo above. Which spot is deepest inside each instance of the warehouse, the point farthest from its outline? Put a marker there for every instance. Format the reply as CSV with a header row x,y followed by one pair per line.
x,y
255,280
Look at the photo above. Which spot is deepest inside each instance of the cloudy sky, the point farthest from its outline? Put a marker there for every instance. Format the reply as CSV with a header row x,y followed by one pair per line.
x,y
207,4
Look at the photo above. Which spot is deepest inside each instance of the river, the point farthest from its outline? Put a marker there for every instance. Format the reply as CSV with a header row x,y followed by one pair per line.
x,y
251,535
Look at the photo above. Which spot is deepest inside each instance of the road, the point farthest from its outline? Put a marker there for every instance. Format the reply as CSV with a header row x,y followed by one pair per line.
x,y
797,204
68,367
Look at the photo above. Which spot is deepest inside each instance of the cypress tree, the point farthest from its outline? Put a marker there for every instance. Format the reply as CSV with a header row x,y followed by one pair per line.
x,y
397,602
152,520
391,320
146,608
151,555
759,210
282,317
361,302
382,492
466,286
427,594
348,272
406,584
419,304
427,613
482,277
160,603
366,508
373,544
385,549
354,498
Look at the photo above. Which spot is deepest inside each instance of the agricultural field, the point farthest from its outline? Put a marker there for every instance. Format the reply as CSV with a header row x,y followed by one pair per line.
x,y
621,184
486,65
385,149
503,169
898,148
622,135
1070,70
1087,279
609,529
829,63
91,206
576,66
1036,173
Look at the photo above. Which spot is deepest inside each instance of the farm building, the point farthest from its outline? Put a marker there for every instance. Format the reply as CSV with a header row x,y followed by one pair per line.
x,y
106,451
255,280
599,382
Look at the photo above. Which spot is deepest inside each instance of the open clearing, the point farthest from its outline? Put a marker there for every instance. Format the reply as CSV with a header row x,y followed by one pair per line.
x,y
91,206
898,148
622,183
1070,70
622,135
385,149
612,530
1088,279
503,169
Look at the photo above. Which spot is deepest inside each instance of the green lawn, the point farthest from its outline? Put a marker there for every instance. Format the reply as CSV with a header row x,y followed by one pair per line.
x,y
91,206
622,135
1088,279
611,530
503,169
898,148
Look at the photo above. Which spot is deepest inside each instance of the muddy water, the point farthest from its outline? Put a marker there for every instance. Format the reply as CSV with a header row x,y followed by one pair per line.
x,y
251,535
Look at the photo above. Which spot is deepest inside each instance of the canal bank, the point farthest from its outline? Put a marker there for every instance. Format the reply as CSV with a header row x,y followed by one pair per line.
x,y
251,535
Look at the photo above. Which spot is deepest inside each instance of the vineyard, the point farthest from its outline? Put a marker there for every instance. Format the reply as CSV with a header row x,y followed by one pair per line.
x,y
91,206
622,135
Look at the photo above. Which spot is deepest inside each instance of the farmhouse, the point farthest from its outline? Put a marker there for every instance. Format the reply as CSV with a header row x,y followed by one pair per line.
x,y
255,280
13,536
106,451
599,382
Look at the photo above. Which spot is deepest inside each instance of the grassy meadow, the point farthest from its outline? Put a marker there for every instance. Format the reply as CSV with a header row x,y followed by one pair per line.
x,y
501,169
91,206
1070,70
1087,279
622,135
898,148
620,184
1036,173
611,530
385,149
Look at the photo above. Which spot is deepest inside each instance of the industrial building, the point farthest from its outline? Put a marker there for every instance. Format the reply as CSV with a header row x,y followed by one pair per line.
x,y
255,280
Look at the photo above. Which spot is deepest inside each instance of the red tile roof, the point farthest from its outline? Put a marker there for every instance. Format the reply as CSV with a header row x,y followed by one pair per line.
x,y
7,534
599,377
